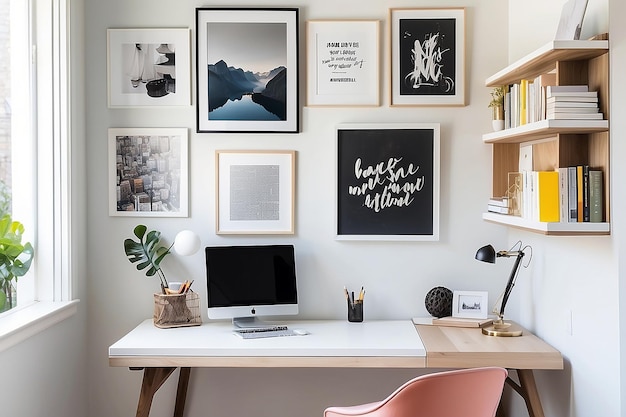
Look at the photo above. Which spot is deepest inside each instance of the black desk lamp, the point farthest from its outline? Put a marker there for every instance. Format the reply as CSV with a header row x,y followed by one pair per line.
x,y
488,254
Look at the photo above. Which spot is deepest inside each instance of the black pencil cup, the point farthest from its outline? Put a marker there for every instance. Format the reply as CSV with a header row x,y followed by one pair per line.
x,y
355,311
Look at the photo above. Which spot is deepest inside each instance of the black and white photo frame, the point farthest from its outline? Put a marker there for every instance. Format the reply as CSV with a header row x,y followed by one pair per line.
x,y
148,67
427,57
247,70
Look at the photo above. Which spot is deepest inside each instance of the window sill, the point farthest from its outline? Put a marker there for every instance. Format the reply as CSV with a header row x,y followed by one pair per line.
x,y
28,321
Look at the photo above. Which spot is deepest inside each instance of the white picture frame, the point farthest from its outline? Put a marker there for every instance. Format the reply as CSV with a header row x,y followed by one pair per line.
x,y
470,304
427,62
148,67
343,62
255,191
150,180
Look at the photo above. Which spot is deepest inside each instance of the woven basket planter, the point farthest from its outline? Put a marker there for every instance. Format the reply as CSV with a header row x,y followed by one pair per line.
x,y
176,310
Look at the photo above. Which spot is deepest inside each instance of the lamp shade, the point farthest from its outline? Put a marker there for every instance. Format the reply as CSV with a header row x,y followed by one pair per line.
x,y
486,254
186,243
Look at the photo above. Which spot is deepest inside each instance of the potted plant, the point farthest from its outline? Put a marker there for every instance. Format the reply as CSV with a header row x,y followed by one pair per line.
x,y
148,253
497,106
172,308
15,259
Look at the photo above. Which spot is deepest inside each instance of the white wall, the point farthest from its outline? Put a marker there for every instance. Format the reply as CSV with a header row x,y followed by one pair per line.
x,y
396,275
572,277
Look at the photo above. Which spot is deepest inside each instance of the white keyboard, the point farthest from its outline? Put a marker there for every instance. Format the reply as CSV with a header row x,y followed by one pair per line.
x,y
258,333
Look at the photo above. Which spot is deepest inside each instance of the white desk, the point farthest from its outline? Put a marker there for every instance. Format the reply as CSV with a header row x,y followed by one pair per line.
x,y
372,343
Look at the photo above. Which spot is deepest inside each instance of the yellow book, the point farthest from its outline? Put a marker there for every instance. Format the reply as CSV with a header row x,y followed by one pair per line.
x,y
523,102
548,196
579,192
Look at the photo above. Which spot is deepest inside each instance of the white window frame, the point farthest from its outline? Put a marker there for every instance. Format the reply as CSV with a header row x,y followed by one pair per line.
x,y
51,286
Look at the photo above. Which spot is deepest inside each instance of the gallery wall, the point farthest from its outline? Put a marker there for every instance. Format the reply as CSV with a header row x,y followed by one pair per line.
x,y
397,275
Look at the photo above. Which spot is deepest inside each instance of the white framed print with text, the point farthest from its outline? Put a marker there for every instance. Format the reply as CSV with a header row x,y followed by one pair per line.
x,y
343,62
470,304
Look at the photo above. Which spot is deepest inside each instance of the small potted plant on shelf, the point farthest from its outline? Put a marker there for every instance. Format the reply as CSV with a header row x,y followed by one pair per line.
x,y
172,307
497,107
15,257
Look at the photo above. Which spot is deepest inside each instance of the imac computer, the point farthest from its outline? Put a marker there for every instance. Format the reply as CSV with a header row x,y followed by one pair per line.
x,y
245,283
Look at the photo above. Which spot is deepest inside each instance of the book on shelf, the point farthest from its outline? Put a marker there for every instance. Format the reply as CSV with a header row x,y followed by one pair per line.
x,y
563,194
557,108
498,209
547,184
560,89
580,99
572,194
499,201
461,322
579,193
586,209
574,116
571,104
596,195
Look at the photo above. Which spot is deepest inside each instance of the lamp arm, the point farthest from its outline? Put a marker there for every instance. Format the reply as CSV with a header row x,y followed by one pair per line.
x,y
511,282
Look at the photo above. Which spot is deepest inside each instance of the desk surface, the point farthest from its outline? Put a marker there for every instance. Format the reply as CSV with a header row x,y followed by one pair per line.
x,y
329,343
457,347
373,344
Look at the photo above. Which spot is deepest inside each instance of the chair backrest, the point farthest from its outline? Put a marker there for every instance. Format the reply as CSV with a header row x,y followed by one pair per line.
x,y
468,393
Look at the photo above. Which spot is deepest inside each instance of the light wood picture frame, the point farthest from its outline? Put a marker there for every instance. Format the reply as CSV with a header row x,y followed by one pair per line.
x,y
427,62
255,191
247,78
148,67
343,62
388,181
148,172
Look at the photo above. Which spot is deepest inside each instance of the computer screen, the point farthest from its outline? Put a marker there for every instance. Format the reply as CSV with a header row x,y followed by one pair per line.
x,y
248,282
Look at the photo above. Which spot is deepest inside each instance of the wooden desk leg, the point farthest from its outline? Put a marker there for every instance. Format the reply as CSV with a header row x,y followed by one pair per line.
x,y
153,378
528,390
181,392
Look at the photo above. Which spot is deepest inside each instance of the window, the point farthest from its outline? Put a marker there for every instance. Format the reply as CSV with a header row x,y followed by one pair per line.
x,y
35,40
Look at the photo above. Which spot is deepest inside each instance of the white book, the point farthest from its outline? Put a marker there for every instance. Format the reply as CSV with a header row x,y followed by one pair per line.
x,y
563,194
499,201
571,104
575,116
559,109
582,99
498,209
551,89
573,94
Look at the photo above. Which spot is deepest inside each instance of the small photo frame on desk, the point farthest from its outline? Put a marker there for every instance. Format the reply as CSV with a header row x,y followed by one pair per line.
x,y
470,304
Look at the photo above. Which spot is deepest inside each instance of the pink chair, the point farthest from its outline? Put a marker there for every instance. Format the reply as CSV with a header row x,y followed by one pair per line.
x,y
466,392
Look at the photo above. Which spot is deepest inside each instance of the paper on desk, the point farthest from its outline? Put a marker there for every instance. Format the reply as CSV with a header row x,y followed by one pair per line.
x,y
422,320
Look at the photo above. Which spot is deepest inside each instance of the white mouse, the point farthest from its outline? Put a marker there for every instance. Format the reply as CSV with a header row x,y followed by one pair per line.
x,y
300,332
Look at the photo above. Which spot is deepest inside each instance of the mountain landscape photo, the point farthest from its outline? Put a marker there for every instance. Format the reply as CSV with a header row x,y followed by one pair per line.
x,y
236,94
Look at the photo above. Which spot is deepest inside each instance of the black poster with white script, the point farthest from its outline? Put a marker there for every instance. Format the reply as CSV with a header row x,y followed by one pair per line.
x,y
388,182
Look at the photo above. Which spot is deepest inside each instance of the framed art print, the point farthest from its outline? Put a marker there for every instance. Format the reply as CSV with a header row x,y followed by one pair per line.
x,y
388,181
343,63
247,76
470,304
427,57
255,192
148,172
148,67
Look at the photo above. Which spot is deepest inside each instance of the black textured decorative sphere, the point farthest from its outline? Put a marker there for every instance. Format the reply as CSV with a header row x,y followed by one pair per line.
x,y
439,302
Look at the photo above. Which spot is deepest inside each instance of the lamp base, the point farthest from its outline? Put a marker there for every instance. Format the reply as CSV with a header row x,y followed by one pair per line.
x,y
502,328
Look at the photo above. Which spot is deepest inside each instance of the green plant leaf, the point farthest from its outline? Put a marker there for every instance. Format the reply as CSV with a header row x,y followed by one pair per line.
x,y
146,253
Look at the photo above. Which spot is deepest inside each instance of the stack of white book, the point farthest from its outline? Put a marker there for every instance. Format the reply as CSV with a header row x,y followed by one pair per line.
x,y
573,102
